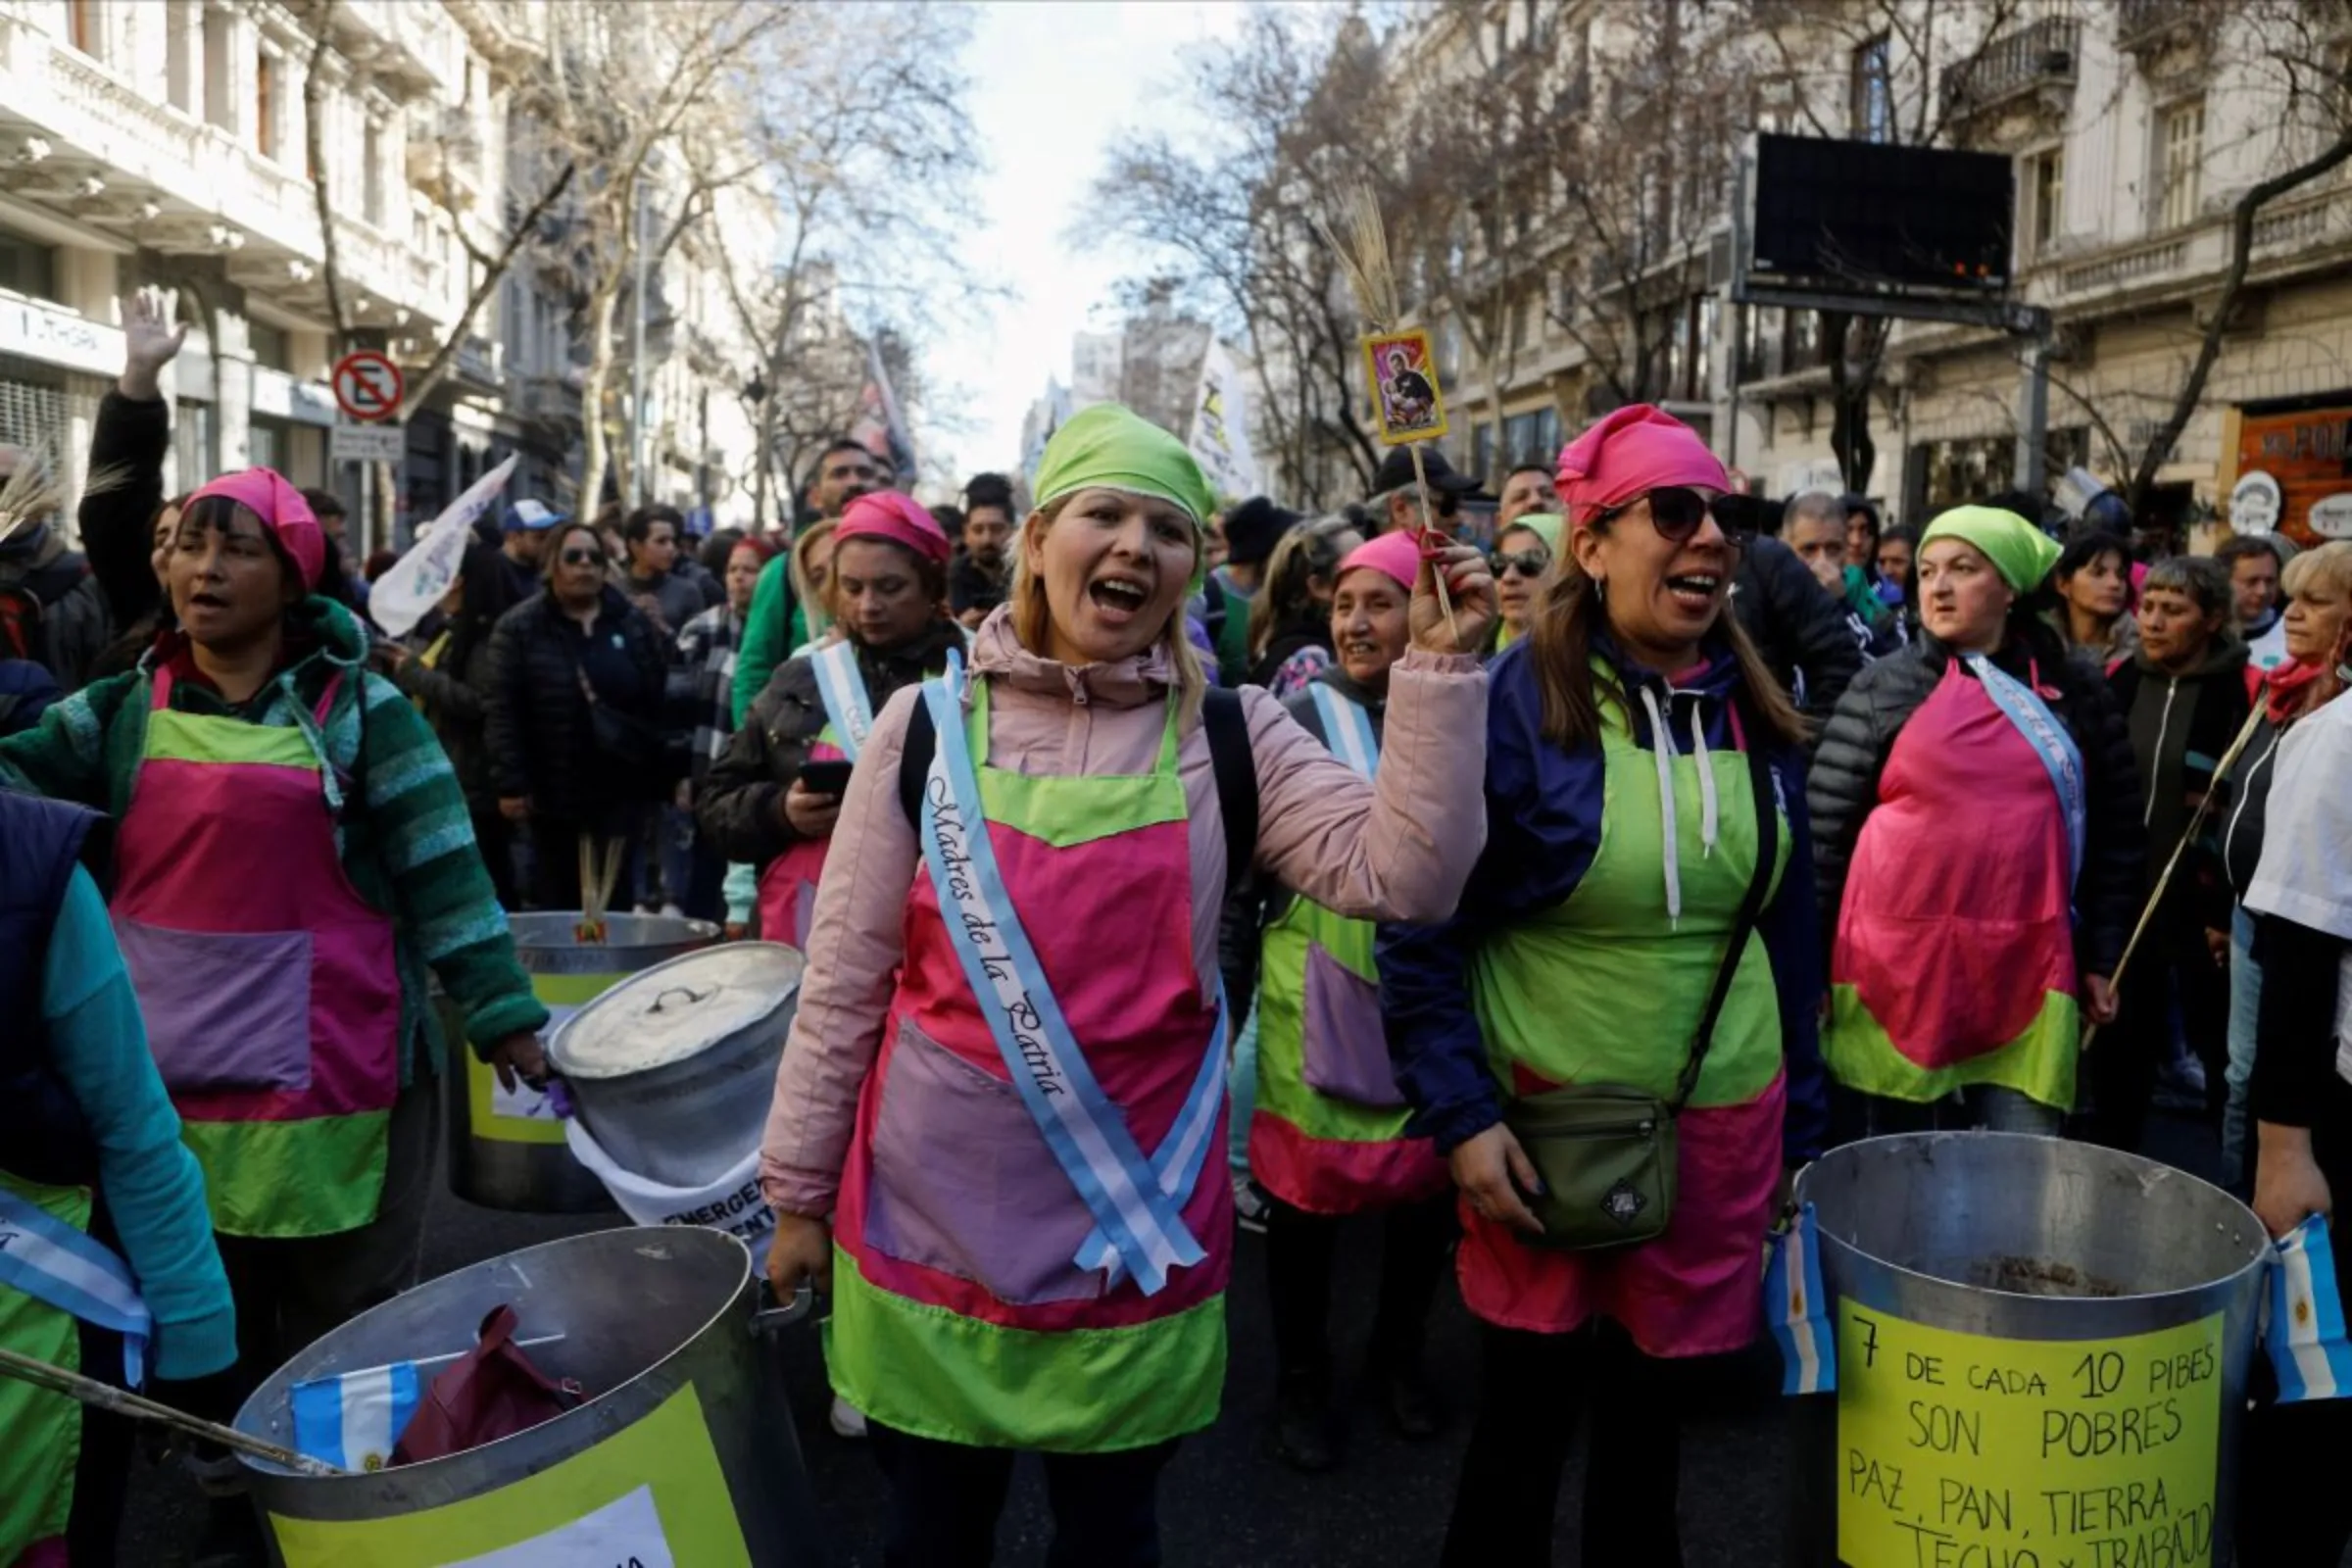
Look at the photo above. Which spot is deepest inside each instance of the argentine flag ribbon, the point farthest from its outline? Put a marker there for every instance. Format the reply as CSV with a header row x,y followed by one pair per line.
x,y
352,1421
51,1262
1348,729
2024,708
1799,1309
2304,1328
843,691
1129,1198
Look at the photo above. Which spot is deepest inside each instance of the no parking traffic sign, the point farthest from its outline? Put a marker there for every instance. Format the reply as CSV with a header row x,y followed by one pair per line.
x,y
368,386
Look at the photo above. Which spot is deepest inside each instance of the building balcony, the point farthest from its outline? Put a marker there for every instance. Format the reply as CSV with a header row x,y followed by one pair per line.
x,y
2024,60
2145,24
406,42
551,399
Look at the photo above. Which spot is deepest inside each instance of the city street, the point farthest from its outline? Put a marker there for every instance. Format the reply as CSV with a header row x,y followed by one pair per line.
x,y
1226,1503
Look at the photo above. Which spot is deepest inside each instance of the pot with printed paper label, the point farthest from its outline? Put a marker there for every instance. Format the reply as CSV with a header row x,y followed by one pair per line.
x,y
2042,1354
505,1145
672,1069
682,1453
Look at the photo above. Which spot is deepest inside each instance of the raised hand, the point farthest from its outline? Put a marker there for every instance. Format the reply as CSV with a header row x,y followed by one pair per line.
x,y
152,336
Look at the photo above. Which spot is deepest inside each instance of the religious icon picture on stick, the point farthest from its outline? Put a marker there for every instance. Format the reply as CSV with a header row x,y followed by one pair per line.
x,y
1404,387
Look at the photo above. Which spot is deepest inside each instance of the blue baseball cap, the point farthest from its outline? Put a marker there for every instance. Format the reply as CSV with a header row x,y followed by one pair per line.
x,y
531,516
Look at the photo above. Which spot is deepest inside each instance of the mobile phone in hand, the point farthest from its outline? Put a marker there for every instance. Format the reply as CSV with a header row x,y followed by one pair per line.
x,y
826,778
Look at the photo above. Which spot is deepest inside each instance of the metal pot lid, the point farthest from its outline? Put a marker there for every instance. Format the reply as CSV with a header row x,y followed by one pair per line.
x,y
676,1010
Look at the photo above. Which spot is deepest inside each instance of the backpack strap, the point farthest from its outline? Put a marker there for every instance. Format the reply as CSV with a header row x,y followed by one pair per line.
x,y
1222,720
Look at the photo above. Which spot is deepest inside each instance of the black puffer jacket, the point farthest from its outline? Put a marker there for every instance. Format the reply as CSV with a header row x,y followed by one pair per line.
x,y
1795,624
541,739
1843,788
737,808
451,689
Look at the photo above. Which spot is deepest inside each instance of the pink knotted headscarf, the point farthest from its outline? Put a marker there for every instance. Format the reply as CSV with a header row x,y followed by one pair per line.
x,y
1635,449
266,494
896,517
1396,554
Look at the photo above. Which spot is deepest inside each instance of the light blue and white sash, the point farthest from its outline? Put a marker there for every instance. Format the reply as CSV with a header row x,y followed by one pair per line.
x,y
352,1420
51,1262
842,689
2024,708
1129,1196
1348,730
1176,1163
1799,1309
2305,1331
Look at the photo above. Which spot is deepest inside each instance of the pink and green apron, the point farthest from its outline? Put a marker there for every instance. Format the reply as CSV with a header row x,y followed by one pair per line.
x,y
268,984
53,1277
1327,1134
1028,1258
1607,987
787,883
1954,961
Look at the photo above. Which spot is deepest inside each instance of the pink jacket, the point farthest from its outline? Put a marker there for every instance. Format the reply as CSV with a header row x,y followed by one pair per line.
x,y
1398,850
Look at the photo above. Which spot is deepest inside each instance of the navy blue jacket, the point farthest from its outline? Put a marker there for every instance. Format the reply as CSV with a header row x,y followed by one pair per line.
x,y
1543,811
44,1135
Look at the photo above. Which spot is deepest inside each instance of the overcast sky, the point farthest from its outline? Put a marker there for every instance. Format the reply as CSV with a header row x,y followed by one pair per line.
x,y
1054,82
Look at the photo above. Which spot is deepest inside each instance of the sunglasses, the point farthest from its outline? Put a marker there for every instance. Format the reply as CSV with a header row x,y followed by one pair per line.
x,y
1526,562
583,557
1676,511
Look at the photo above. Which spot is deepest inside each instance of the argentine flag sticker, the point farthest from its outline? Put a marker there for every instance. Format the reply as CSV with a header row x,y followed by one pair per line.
x,y
1799,1309
2305,1331
352,1421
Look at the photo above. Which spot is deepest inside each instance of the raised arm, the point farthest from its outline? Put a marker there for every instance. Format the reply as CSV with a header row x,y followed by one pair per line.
x,y
134,432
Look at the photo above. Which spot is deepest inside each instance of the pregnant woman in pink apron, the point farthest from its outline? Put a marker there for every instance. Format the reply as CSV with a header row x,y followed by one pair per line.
x,y
1006,1075
1977,837
291,852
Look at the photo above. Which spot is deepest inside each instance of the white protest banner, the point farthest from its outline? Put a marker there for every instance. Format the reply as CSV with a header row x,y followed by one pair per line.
x,y
1220,433
417,581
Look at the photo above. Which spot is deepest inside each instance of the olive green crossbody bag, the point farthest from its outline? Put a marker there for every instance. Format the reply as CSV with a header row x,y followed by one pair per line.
x,y
1607,1152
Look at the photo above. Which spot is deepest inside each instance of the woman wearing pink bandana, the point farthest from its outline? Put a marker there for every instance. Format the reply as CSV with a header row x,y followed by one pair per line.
x,y
1643,917
291,852
889,589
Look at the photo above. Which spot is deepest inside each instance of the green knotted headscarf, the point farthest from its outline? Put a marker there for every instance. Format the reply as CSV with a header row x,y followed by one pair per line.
x,y
1113,446
1549,527
2020,552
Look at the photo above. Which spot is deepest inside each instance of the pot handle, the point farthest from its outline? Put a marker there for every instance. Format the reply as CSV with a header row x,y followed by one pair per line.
x,y
688,991
766,1319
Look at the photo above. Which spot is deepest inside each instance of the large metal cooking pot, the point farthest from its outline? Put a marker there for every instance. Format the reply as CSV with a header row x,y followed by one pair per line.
x,y
2028,1331
684,1452
672,1069
506,1147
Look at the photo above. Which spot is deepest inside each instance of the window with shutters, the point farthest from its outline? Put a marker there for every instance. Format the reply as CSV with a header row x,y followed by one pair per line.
x,y
2183,164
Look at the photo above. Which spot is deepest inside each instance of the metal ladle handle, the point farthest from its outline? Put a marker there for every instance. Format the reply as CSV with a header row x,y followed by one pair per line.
x,y
688,991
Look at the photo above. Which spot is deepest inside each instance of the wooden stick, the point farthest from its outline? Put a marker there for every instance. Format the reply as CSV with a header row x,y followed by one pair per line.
x,y
104,1397
2147,913
1437,573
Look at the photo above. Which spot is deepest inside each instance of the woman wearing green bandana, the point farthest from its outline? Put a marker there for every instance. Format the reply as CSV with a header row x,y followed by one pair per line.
x,y
1977,834
993,1121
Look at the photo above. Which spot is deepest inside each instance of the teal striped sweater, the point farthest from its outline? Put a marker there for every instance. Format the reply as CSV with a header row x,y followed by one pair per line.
x,y
405,839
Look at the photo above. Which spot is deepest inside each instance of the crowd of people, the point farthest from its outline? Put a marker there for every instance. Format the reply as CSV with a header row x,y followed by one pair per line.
x,y
1121,824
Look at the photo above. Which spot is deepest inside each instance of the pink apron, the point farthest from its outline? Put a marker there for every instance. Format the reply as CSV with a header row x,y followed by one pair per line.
x,y
269,986
787,883
1956,926
960,1311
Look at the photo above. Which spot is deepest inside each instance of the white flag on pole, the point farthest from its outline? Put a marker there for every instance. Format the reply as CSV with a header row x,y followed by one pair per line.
x,y
415,584
1220,434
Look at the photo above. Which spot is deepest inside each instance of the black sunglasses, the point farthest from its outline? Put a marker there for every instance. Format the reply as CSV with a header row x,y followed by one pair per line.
x,y
1676,512
1527,562
583,557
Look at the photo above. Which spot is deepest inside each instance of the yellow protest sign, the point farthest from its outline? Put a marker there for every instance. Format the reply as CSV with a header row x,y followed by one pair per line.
x,y
651,1494
1957,1450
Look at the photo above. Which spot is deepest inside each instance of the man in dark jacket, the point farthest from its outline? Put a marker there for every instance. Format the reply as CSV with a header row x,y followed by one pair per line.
x,y
445,666
980,572
1798,628
650,578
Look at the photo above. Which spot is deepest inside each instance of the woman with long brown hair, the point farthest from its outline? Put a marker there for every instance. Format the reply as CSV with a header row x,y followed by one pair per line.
x,y
1289,618
1642,918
